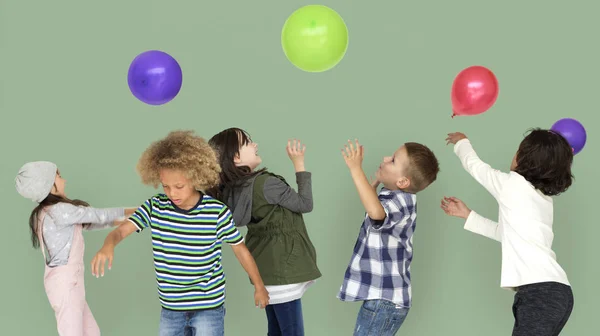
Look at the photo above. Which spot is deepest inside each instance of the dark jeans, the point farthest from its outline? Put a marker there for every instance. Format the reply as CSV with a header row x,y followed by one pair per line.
x,y
542,309
285,319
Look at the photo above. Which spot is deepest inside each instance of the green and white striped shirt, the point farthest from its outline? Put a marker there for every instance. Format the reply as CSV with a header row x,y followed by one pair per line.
x,y
186,245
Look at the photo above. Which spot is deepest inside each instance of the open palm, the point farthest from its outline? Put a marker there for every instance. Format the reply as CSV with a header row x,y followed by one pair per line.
x,y
453,206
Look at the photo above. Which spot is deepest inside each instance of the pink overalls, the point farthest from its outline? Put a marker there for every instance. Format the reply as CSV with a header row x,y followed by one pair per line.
x,y
66,291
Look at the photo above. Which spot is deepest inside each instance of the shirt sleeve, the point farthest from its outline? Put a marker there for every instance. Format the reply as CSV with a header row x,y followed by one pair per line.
x,y
141,218
483,226
395,212
491,179
64,214
278,192
226,230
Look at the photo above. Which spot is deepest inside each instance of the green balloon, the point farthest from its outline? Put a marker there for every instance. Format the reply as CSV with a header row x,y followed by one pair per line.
x,y
314,38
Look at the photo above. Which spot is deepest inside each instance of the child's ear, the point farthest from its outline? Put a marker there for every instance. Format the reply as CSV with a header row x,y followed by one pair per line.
x,y
403,183
236,158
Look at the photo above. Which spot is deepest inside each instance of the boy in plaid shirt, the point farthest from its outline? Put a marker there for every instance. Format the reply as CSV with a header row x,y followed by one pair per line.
x,y
379,271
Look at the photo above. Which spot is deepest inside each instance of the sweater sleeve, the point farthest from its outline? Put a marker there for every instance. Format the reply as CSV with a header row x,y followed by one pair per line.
x,y
64,214
278,192
483,226
491,179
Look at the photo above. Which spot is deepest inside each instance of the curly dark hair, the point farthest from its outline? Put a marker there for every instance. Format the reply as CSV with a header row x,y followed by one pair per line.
x,y
181,150
544,158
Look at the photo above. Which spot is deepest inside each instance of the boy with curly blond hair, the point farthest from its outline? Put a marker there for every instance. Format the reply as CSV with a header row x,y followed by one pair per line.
x,y
188,228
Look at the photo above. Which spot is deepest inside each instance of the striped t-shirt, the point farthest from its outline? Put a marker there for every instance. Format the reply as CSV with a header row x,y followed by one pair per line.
x,y
186,245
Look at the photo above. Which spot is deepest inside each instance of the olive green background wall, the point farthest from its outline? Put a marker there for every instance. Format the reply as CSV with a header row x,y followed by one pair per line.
x,y
64,98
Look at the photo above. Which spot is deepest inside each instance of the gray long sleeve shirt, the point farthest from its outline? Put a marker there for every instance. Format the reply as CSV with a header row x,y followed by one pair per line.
x,y
58,222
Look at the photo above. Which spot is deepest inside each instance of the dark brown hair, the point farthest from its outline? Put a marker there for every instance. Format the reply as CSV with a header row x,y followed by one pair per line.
x,y
227,144
50,200
423,166
544,158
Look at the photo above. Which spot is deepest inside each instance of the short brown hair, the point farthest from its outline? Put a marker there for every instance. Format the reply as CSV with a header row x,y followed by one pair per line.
x,y
185,151
423,166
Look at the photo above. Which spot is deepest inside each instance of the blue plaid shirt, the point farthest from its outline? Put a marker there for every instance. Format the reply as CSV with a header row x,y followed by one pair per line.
x,y
380,264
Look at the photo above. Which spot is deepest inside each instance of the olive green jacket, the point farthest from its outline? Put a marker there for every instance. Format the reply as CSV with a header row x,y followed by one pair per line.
x,y
277,236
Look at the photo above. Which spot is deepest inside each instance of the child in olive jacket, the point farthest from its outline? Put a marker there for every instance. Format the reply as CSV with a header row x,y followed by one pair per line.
x,y
277,235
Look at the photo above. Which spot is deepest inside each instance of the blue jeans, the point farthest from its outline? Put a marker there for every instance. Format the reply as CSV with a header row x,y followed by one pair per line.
x,y
379,318
209,322
285,319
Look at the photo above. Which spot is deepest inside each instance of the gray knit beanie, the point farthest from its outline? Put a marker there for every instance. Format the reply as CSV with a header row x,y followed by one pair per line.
x,y
35,180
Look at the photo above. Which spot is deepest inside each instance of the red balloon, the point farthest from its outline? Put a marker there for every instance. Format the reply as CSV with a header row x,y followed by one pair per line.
x,y
474,91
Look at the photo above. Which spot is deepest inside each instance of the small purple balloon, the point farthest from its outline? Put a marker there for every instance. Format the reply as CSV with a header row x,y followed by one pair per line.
x,y
154,77
573,131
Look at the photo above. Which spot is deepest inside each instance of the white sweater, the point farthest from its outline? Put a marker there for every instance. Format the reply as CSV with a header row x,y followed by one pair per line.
x,y
524,226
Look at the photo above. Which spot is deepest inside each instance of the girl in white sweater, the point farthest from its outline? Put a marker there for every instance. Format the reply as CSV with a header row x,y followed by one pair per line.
x,y
540,169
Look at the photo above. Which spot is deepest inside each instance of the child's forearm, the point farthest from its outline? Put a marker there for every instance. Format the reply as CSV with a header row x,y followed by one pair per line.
x,y
113,239
368,195
248,263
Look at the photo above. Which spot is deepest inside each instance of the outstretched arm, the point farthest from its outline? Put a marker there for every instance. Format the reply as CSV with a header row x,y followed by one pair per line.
x,y
137,222
277,191
107,252
120,221
491,179
353,155
475,223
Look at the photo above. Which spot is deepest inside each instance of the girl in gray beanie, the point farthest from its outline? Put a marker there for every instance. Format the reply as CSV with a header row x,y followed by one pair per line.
x,y
56,224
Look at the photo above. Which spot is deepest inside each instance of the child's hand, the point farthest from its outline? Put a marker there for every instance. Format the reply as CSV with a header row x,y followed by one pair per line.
x,y
353,154
105,254
295,151
454,207
261,297
453,138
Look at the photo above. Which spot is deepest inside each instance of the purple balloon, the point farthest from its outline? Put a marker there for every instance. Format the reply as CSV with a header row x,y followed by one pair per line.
x,y
573,131
154,77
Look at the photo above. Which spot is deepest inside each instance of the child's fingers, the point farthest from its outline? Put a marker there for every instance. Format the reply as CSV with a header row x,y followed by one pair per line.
x,y
344,153
350,146
110,261
347,151
95,267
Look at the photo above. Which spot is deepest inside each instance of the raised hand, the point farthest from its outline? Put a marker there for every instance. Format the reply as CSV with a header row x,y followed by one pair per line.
x,y
455,137
295,150
453,206
353,154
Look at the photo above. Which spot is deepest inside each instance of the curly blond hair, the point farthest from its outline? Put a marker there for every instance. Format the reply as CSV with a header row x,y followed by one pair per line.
x,y
184,151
